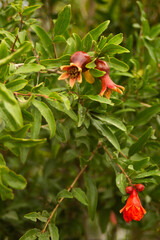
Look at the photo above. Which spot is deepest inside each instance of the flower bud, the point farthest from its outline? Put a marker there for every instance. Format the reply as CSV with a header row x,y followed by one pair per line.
x,y
102,65
140,187
80,59
129,189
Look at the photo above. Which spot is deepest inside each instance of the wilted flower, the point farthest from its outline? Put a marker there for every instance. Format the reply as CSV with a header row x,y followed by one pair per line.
x,y
107,84
133,209
77,65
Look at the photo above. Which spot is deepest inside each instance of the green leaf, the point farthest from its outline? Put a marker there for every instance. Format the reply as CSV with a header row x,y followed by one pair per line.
x,y
98,98
155,31
64,194
16,85
151,50
53,231
136,147
36,125
80,195
97,73
34,216
140,163
148,174
118,65
95,33
106,132
29,68
121,183
26,47
47,114
59,38
12,179
87,42
30,234
3,54
78,41
81,114
45,39
91,64
9,109
63,20
30,9
110,120
111,49
61,107
19,142
144,116
92,195
53,63
117,39
6,193
2,161
43,236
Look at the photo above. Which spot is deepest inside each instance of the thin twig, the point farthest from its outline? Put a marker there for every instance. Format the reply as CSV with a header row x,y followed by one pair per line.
x,y
54,46
70,188
30,94
20,28
134,137
129,180
123,171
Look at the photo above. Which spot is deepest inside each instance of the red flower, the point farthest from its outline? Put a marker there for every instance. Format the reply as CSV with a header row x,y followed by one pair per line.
x,y
77,65
107,84
133,209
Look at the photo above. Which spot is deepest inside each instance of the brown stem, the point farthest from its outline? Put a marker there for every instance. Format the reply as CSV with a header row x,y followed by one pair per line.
x,y
129,180
20,28
123,171
30,94
70,188
134,137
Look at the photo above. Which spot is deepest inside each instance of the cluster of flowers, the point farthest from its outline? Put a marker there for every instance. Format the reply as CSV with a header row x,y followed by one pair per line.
x,y
73,72
133,209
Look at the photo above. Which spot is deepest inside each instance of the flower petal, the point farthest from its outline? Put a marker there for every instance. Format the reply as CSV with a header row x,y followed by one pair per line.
x,y
79,78
89,78
65,68
63,76
72,82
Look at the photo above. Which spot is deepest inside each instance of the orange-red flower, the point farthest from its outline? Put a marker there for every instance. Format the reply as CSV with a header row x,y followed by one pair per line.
x,y
107,84
133,209
77,65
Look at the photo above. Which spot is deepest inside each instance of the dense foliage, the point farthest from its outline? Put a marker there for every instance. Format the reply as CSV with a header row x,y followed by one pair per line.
x,y
61,141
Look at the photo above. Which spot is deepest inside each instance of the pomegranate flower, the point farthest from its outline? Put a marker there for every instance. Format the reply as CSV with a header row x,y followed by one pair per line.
x,y
133,209
107,84
77,65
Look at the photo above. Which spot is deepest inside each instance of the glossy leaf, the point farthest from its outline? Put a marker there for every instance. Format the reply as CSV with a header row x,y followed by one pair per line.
x,y
95,33
80,195
53,231
64,194
118,65
26,47
110,120
47,114
63,20
136,147
92,195
146,115
9,109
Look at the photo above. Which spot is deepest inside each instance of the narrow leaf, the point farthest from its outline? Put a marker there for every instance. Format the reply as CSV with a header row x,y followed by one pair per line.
x,y
47,114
